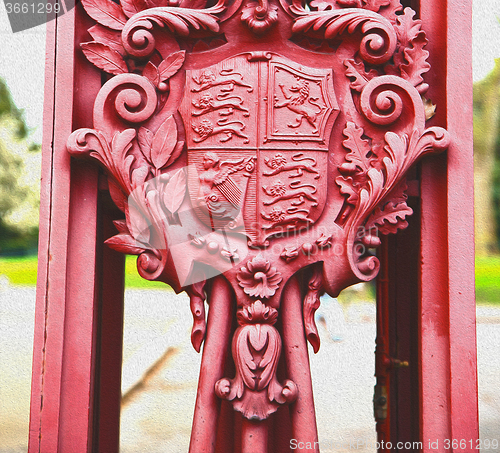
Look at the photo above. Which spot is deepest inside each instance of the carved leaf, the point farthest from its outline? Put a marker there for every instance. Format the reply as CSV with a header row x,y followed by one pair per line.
x,y
375,5
111,38
175,191
349,3
164,142
391,9
121,163
132,7
138,221
171,65
289,254
417,64
151,73
121,226
389,219
176,153
197,240
357,71
406,27
106,12
124,243
347,188
360,148
322,5
193,4
104,57
145,139
337,21
117,195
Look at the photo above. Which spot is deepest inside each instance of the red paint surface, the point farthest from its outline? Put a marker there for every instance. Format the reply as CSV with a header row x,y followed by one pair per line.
x,y
76,389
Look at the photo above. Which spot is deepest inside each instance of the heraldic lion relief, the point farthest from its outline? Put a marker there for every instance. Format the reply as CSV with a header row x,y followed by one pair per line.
x,y
250,146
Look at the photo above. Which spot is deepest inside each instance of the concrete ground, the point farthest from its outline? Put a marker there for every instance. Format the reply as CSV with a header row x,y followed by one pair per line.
x,y
157,419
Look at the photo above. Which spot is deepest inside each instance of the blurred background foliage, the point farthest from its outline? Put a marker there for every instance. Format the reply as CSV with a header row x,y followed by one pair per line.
x,y
19,181
20,161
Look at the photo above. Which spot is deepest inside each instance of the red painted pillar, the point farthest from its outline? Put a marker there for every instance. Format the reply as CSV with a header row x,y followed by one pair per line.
x,y
80,285
448,375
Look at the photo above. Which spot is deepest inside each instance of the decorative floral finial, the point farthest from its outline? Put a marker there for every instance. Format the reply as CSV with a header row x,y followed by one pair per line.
x,y
258,278
257,313
259,16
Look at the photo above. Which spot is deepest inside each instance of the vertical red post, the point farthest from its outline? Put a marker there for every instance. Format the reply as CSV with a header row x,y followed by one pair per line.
x,y
72,284
448,373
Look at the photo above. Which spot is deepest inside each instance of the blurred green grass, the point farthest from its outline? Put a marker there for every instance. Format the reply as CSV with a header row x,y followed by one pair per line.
x,y
488,279
22,271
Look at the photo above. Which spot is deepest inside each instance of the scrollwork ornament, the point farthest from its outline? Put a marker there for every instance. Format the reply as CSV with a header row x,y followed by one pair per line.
x,y
235,164
379,37
255,390
139,41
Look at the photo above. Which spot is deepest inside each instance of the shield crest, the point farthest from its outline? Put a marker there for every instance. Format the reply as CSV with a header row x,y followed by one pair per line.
x,y
257,131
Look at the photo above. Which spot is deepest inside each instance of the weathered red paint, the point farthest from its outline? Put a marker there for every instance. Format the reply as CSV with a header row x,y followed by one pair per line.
x,y
276,135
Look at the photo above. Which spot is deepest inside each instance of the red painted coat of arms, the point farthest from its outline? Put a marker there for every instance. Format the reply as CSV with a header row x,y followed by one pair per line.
x,y
257,130
251,147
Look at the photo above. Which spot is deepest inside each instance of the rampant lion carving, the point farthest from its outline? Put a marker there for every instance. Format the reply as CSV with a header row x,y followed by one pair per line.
x,y
297,103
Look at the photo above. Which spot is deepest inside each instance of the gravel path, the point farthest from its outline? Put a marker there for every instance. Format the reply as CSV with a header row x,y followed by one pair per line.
x,y
158,418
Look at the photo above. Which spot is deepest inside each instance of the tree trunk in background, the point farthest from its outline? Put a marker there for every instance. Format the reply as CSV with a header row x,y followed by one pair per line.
x,y
486,130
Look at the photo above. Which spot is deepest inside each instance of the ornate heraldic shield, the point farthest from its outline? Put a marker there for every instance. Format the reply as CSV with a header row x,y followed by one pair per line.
x,y
251,146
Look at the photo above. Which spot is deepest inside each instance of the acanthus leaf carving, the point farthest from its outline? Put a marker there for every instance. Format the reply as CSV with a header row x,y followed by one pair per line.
x,y
117,194
378,43
138,39
402,152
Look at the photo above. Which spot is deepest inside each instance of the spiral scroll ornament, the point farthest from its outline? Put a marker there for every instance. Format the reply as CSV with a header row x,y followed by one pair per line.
x,y
379,37
130,98
137,36
384,98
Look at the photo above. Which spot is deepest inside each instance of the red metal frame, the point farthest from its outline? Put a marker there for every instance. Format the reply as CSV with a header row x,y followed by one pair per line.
x,y
76,366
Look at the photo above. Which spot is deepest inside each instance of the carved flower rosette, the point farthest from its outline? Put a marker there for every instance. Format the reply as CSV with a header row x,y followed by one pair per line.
x,y
228,155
